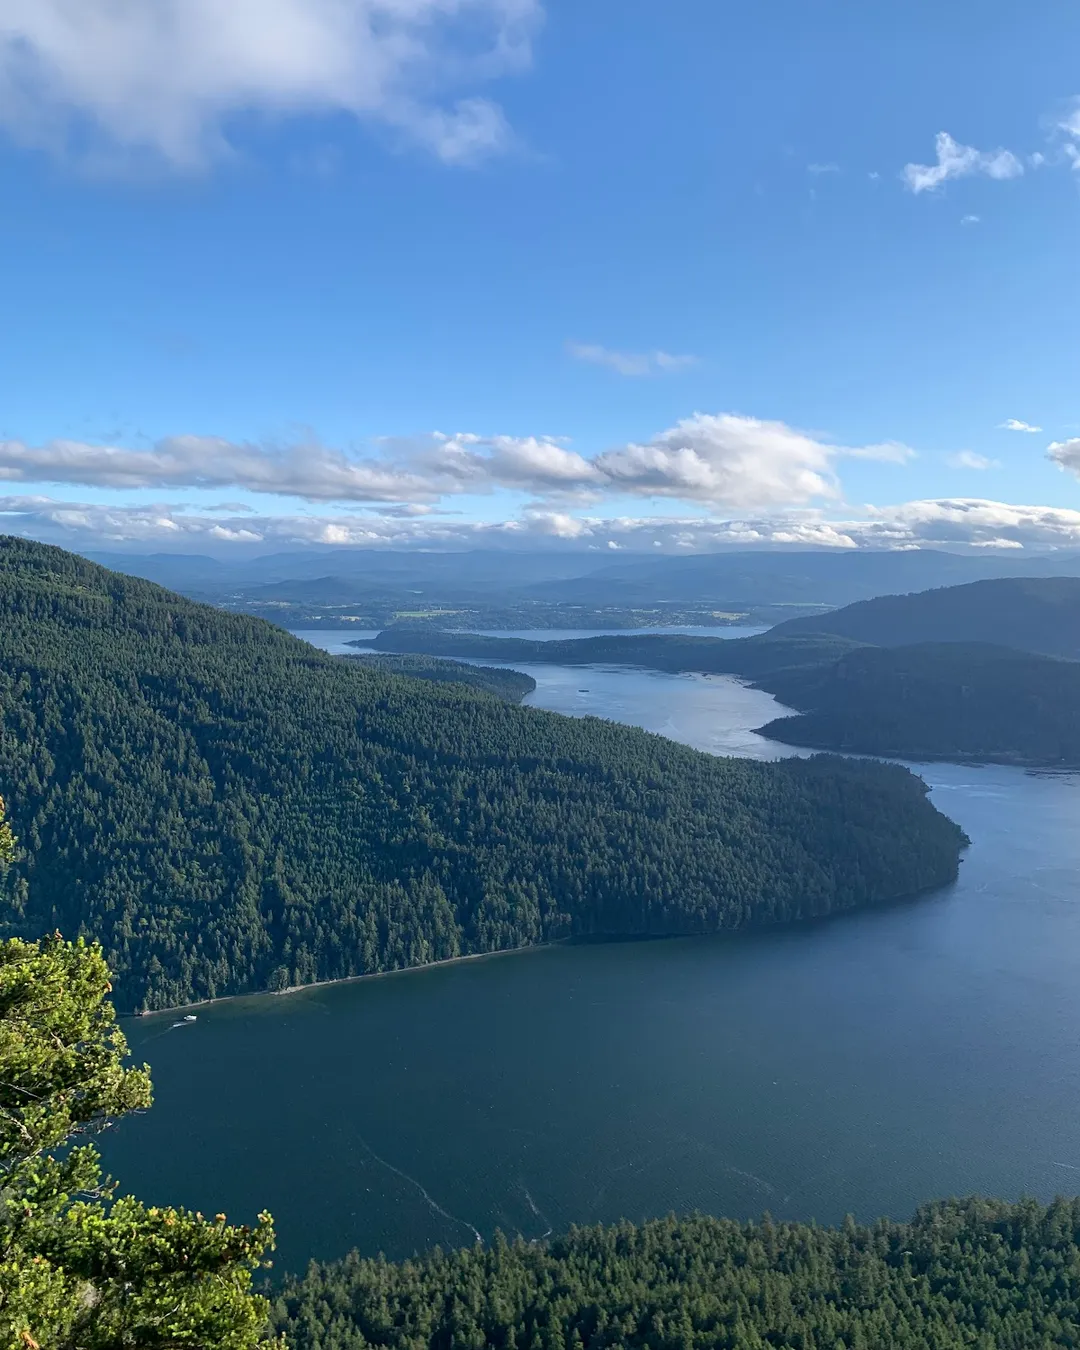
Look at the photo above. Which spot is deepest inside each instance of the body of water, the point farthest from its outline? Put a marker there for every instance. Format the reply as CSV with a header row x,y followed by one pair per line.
x,y
334,640
863,1065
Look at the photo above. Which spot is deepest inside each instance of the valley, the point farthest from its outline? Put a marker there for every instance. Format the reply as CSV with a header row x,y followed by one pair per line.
x,y
861,1065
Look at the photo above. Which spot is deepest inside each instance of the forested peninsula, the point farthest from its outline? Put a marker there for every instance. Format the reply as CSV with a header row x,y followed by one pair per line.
x,y
975,1274
228,809
900,676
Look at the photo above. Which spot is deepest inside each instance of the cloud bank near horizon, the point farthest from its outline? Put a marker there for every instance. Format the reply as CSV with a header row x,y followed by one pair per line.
x,y
952,523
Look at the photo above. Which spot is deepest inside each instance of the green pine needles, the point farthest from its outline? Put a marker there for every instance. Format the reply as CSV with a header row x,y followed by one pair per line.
x,y
80,1268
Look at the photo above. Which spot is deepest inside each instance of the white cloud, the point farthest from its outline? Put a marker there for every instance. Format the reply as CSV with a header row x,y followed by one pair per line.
x,y
310,471
976,522
970,220
164,77
734,461
970,459
823,168
1066,455
724,460
1069,121
630,363
406,471
1014,424
960,161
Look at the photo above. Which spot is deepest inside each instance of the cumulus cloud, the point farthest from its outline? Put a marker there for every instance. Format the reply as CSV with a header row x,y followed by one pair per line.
x,y
970,220
129,77
1066,455
970,459
949,523
735,461
960,161
1014,424
724,460
630,363
817,169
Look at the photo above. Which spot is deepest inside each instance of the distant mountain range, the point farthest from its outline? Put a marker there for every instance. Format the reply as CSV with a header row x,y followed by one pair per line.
x,y
742,580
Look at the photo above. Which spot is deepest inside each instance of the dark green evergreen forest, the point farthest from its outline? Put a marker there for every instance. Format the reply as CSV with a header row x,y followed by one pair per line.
x,y
977,1274
512,685
942,700
227,809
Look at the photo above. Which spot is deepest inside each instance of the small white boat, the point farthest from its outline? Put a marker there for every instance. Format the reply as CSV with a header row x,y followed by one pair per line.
x,y
191,1018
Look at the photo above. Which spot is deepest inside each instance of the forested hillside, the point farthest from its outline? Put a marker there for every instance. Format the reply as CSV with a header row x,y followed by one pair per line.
x,y
512,685
1036,614
977,1274
228,809
950,699
943,700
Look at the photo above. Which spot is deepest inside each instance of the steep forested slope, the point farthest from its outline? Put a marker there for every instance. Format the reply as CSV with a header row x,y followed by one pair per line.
x,y
1036,614
976,1274
227,808
943,700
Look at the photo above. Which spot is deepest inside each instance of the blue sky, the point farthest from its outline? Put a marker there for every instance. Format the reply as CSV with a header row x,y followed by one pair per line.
x,y
683,275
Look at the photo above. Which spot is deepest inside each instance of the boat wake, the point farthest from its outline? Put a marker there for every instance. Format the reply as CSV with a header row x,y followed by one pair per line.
x,y
429,1200
539,1214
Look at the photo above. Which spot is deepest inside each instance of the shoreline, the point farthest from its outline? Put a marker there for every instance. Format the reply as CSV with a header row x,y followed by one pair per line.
x,y
342,979
752,930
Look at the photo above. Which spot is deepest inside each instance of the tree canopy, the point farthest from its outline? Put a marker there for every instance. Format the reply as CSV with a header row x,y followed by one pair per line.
x,y
937,700
82,1268
963,1275
227,809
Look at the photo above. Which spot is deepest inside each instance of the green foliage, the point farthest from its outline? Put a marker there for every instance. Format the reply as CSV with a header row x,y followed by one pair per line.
x,y
947,700
511,685
7,840
61,1050
80,1269
977,1274
227,809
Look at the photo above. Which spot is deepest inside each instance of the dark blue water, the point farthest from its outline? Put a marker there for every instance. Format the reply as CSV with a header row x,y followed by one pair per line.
x,y
862,1065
